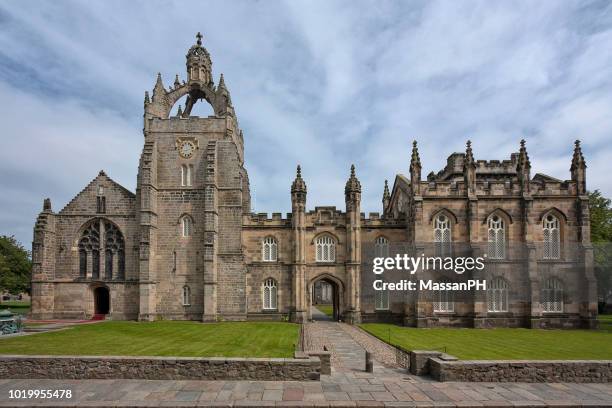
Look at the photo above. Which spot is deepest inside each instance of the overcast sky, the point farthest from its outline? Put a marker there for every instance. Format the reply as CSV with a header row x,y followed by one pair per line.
x,y
321,83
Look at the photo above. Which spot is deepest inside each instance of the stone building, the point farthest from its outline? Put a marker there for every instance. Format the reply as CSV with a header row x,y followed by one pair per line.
x,y
185,244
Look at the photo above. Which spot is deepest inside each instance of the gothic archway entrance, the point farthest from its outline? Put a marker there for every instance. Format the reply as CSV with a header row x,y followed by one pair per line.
x,y
325,294
101,300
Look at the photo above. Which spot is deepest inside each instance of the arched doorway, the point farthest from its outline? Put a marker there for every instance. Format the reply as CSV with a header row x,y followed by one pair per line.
x,y
325,295
101,300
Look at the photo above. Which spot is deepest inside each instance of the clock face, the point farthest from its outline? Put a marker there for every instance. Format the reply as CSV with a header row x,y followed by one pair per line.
x,y
186,149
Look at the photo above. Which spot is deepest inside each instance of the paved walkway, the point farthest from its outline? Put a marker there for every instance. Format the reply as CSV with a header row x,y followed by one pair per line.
x,y
348,386
319,315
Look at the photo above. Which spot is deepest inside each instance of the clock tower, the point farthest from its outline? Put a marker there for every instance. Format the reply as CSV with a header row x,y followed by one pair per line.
x,y
192,190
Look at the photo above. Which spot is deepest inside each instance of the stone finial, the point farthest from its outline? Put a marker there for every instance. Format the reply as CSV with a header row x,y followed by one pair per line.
x,y
523,159
102,173
578,161
352,184
147,100
177,82
386,194
386,197
469,155
179,112
298,185
199,37
47,205
221,81
159,87
415,169
415,160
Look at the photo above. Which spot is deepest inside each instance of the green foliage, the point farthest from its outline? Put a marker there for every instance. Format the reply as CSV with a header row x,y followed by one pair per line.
x,y
15,266
601,217
501,344
164,338
601,236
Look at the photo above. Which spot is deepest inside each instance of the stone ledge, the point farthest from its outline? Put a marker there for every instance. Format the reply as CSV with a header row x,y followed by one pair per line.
x,y
159,368
576,371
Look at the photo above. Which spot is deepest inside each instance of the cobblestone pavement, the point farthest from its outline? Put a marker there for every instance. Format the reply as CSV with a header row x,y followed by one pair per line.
x,y
347,386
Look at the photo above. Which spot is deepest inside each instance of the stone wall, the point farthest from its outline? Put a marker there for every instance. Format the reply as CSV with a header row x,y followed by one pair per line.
x,y
578,371
160,368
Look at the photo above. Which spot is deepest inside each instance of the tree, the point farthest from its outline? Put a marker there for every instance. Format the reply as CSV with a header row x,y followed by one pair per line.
x,y
15,266
601,236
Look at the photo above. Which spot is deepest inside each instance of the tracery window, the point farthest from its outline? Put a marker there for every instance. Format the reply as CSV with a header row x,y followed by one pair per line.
x,y
442,235
89,243
115,249
90,250
270,294
496,237
381,247
186,295
326,249
552,237
269,250
497,295
552,296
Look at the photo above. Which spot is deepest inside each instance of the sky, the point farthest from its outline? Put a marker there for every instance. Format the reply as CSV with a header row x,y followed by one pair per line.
x,y
320,83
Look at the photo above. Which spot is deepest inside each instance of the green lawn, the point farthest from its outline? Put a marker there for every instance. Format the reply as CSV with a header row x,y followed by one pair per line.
x,y
327,309
500,344
16,307
605,322
231,339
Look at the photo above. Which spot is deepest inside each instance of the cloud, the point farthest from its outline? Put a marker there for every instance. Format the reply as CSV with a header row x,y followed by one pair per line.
x,y
323,84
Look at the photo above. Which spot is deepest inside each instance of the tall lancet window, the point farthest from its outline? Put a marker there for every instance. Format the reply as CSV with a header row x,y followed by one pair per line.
x,y
381,247
186,226
186,296
442,235
269,294
496,237
269,250
187,175
497,295
552,237
552,296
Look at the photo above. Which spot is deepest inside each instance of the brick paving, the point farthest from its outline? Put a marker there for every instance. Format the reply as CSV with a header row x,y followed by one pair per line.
x,y
347,386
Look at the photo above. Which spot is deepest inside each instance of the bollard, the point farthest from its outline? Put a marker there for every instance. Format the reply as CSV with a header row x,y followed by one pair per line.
x,y
369,366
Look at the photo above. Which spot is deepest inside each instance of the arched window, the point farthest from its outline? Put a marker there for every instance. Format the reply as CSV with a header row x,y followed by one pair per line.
x,y
269,294
115,252
326,249
381,299
89,247
552,296
186,296
442,235
269,250
552,237
497,295
443,301
82,263
186,226
497,237
381,247
186,175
